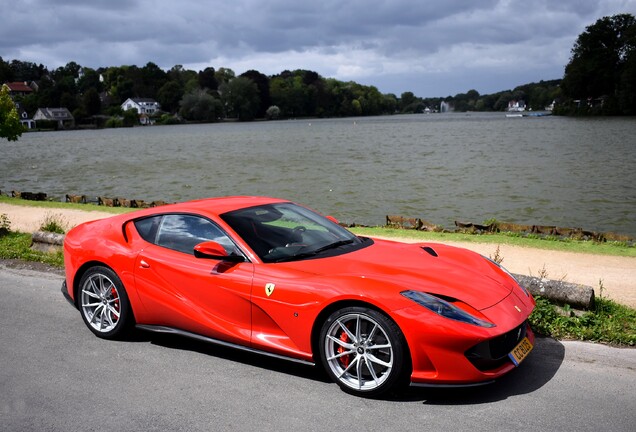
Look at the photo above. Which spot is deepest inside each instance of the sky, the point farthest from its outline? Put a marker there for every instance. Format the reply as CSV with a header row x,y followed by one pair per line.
x,y
429,47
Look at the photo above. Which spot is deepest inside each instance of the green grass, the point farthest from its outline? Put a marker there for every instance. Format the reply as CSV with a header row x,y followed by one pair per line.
x,y
578,246
63,205
609,322
18,246
54,223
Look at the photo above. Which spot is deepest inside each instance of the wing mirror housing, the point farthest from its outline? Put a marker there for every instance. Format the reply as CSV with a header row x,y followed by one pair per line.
x,y
213,250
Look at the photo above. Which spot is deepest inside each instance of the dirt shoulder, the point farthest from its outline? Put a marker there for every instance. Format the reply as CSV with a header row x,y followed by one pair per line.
x,y
618,274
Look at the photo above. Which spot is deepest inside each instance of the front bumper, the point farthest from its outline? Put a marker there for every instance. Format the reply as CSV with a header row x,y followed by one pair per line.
x,y
450,353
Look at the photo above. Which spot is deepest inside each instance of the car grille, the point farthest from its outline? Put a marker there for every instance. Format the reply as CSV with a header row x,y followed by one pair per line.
x,y
493,353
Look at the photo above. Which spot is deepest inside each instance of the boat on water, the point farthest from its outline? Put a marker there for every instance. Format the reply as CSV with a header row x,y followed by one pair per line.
x,y
528,114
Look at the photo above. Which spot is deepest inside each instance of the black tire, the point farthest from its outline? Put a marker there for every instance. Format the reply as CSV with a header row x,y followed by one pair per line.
x,y
103,303
370,357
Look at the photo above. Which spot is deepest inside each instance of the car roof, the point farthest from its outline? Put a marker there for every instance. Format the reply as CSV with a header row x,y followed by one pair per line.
x,y
216,206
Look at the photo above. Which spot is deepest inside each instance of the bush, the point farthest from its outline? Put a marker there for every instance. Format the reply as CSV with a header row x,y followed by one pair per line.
x,y
114,122
54,223
167,119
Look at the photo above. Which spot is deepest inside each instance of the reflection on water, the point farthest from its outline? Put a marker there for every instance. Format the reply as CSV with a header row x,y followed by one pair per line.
x,y
440,167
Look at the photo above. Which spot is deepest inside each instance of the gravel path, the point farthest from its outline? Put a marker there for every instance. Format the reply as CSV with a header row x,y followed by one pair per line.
x,y
618,274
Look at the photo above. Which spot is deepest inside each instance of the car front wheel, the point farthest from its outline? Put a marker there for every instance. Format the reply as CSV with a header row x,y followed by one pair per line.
x,y
103,303
363,351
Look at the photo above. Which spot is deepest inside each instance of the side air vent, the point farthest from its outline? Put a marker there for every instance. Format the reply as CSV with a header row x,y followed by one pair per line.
x,y
430,251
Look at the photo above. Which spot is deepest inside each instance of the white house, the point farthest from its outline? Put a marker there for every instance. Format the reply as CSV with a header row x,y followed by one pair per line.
x,y
25,120
144,107
62,116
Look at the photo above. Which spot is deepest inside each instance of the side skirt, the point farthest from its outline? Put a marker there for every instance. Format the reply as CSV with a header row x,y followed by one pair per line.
x,y
171,330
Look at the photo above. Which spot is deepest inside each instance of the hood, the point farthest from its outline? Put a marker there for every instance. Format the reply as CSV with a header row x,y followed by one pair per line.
x,y
433,268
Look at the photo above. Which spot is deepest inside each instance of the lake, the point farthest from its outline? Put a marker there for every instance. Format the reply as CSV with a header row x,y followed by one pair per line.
x,y
571,172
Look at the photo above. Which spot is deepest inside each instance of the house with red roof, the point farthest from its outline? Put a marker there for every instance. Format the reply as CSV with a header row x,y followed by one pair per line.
x,y
19,88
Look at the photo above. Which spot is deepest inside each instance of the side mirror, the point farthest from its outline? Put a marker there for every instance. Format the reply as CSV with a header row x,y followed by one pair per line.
x,y
213,250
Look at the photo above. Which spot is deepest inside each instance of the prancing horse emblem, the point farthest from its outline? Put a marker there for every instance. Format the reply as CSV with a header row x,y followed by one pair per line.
x,y
269,289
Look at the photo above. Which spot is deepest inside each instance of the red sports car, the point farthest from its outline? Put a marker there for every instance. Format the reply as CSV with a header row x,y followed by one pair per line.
x,y
269,276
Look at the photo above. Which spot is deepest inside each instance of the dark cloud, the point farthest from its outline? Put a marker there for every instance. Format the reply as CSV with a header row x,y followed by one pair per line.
x,y
428,47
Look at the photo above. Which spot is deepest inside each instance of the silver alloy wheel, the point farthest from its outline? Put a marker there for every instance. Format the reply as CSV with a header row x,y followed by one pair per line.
x,y
358,351
100,302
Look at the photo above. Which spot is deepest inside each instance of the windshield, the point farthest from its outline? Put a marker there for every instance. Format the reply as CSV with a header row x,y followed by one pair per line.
x,y
288,232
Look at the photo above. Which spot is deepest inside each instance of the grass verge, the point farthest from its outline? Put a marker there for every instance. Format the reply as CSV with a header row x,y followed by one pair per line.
x,y
609,322
577,246
63,205
18,246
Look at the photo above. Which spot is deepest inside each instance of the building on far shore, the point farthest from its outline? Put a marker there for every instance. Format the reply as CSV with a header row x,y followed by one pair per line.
x,y
25,121
19,88
517,105
145,107
62,116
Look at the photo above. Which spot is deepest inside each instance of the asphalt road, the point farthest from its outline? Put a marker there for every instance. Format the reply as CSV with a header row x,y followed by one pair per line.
x,y
56,376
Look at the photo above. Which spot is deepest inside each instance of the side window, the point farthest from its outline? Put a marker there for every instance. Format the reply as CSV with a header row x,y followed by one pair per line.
x,y
183,232
147,228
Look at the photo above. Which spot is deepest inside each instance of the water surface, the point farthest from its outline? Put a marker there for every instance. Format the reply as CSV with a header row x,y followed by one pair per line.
x,y
439,167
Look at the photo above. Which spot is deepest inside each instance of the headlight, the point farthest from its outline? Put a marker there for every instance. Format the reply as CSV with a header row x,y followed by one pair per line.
x,y
444,308
525,291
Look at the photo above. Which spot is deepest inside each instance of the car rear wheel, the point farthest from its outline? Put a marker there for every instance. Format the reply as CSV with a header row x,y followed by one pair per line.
x,y
363,351
103,303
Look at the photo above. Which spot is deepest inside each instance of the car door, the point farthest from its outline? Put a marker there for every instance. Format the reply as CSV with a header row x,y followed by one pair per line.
x,y
200,295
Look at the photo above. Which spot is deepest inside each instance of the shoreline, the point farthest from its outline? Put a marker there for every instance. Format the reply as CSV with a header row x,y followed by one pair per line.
x,y
618,274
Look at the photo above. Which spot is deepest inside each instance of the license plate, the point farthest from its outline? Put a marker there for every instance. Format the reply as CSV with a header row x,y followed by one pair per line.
x,y
521,351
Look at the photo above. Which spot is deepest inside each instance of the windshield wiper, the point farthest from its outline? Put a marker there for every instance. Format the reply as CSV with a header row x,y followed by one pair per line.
x,y
333,245
315,252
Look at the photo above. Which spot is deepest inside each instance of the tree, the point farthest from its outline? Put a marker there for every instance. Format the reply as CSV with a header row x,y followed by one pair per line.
x,y
27,71
207,79
198,105
91,103
224,75
273,112
262,83
6,73
240,98
130,118
89,80
169,96
407,101
152,79
600,58
10,127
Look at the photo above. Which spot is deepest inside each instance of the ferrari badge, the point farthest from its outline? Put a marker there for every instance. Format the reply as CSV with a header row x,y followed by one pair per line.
x,y
269,289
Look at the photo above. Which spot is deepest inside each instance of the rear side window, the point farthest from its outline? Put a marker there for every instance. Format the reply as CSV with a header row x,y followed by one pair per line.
x,y
147,228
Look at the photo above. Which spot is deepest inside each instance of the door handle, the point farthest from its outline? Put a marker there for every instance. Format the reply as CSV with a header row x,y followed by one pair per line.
x,y
144,264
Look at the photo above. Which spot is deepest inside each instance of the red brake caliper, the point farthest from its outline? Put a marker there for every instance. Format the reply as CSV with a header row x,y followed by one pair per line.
x,y
347,358
113,293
